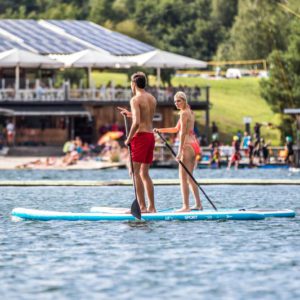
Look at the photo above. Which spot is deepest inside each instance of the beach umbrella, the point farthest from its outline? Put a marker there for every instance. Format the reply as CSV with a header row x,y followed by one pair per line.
x,y
110,135
17,58
163,59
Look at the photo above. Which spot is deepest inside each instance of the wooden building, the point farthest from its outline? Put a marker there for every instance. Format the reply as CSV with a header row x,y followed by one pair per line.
x,y
52,122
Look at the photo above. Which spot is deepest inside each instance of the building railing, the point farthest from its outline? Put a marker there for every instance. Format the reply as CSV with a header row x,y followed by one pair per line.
x,y
32,95
96,94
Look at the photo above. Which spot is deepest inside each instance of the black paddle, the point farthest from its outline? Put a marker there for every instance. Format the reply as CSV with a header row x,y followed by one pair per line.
x,y
186,169
135,207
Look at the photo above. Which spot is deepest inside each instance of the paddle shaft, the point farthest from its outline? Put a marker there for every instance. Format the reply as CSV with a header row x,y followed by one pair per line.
x,y
186,169
135,202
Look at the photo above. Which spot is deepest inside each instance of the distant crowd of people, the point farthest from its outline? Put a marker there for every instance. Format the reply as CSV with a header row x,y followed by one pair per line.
x,y
254,148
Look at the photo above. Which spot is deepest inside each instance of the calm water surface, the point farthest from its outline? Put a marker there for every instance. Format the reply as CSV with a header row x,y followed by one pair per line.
x,y
158,260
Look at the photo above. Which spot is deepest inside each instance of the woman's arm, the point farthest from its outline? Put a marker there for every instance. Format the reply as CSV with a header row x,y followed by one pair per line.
x,y
166,130
169,129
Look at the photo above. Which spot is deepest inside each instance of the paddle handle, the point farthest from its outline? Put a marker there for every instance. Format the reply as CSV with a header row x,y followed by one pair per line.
x,y
135,207
186,169
130,153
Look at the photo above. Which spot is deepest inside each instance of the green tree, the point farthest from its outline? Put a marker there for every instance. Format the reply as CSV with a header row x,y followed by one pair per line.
x,y
185,27
282,89
61,11
225,11
259,28
101,11
130,28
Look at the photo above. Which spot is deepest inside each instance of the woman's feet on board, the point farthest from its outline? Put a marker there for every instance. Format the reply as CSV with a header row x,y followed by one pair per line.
x,y
183,210
197,207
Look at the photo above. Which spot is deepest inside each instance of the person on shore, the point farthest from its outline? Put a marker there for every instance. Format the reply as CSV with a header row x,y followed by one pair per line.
x,y
215,156
257,131
257,153
141,139
214,131
1,136
250,151
10,133
289,156
245,141
265,151
236,155
188,150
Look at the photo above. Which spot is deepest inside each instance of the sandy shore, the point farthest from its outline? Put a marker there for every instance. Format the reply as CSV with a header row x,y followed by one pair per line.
x,y
21,163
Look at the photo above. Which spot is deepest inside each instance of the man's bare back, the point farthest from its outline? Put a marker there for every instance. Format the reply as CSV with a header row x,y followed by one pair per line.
x,y
145,104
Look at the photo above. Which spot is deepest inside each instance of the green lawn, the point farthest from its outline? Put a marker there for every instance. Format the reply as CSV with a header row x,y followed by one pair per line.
x,y
231,99
104,77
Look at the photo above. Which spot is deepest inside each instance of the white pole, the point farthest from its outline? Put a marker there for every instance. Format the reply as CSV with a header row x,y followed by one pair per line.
x,y
17,80
158,77
37,83
90,76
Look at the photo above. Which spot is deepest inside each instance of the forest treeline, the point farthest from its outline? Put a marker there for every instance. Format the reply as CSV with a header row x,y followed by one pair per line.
x,y
203,29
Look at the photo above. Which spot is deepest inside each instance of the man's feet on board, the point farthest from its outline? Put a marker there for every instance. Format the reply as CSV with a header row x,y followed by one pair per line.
x,y
143,211
151,210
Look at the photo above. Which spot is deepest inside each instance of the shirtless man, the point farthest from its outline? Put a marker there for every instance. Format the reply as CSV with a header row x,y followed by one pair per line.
x,y
141,139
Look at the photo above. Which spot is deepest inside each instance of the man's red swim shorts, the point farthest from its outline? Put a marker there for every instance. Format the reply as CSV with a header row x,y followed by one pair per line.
x,y
142,147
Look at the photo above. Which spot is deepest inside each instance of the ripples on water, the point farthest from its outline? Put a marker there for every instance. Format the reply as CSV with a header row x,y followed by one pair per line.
x,y
170,260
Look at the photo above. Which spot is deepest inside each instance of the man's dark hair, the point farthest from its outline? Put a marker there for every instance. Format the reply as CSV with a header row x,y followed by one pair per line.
x,y
140,79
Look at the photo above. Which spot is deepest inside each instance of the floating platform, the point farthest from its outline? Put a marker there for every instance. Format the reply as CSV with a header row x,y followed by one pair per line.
x,y
157,182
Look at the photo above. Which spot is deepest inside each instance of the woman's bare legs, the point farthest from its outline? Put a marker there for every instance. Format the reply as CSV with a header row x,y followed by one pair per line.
x,y
148,185
184,189
186,182
193,186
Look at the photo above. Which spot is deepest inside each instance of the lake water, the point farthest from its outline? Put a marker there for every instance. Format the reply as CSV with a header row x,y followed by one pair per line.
x,y
276,173
158,260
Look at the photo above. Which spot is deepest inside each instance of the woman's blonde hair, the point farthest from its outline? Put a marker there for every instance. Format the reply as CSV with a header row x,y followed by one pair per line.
x,y
181,95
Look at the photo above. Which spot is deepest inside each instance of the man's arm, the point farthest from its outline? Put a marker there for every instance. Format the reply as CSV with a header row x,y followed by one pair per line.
x,y
136,119
124,112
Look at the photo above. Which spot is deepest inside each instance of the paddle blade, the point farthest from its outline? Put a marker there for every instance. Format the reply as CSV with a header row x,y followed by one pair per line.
x,y
136,210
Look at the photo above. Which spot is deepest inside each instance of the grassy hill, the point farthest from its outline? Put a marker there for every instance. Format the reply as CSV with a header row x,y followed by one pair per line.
x,y
231,99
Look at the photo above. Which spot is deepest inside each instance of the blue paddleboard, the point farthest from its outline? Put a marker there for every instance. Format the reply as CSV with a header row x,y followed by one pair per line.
x,y
266,212
44,215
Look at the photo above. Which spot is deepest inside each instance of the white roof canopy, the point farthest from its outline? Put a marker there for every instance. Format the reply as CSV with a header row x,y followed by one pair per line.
x,y
25,59
91,59
164,59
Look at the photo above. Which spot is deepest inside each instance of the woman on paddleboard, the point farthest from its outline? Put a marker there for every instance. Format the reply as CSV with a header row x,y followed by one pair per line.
x,y
188,150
